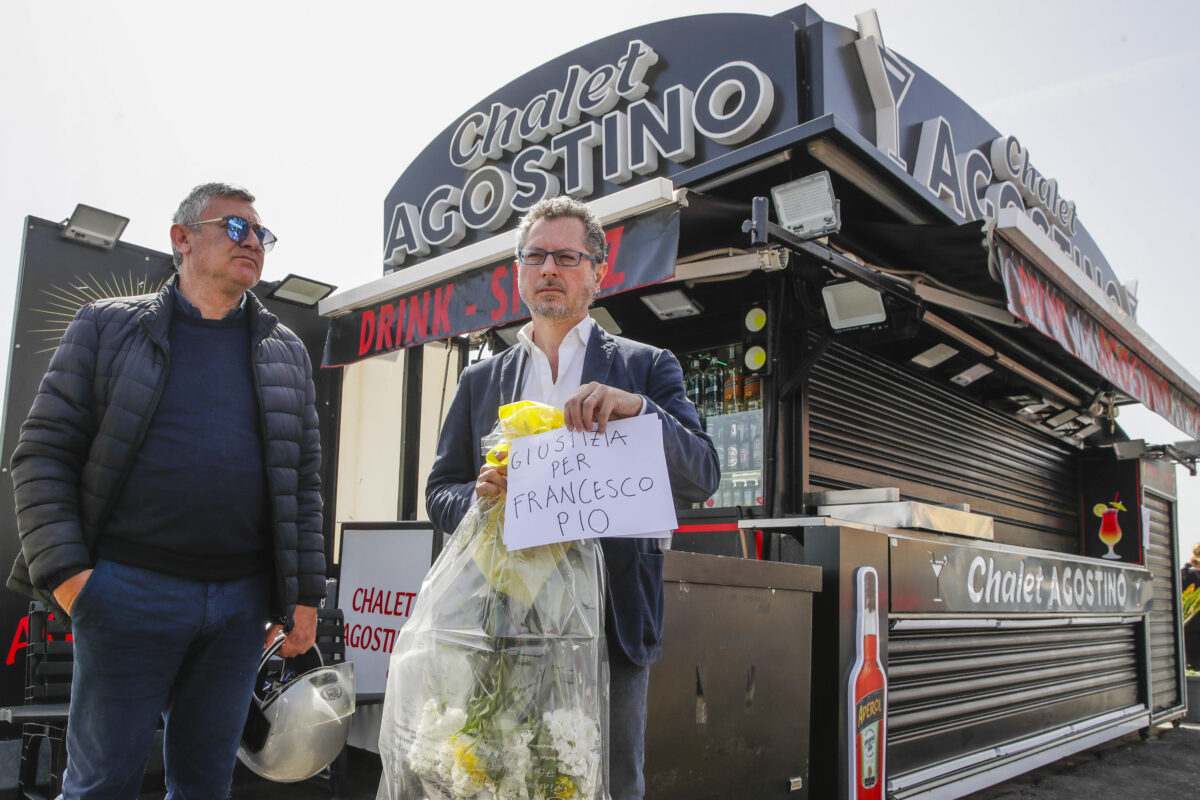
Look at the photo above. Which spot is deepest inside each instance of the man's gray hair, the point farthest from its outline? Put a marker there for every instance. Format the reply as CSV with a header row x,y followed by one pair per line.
x,y
566,206
193,206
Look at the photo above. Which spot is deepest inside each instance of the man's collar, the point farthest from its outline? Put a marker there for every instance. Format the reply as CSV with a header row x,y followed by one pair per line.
x,y
583,329
185,306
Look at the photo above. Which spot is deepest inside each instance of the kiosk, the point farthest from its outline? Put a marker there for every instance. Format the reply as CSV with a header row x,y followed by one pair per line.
x,y
906,346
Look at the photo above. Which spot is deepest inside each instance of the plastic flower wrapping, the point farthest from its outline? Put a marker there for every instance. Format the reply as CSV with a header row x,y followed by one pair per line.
x,y
498,683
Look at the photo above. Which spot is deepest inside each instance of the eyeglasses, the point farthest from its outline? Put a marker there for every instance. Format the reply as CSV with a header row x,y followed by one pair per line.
x,y
562,258
238,228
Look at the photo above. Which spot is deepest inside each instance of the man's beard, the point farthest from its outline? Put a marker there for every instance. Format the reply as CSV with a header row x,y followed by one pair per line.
x,y
560,310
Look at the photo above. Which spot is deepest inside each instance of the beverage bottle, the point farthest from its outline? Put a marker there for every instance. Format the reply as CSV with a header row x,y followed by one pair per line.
x,y
713,389
732,449
752,391
732,396
756,445
744,444
868,696
693,383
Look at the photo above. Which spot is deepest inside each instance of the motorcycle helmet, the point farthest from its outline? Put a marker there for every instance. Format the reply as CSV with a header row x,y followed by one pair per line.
x,y
299,716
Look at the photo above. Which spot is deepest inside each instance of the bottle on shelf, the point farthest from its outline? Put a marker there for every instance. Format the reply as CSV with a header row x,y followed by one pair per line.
x,y
752,390
693,383
756,444
732,447
713,389
732,395
744,444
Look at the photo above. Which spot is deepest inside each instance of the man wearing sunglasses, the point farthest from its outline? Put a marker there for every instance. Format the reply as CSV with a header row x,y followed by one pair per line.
x,y
169,501
563,358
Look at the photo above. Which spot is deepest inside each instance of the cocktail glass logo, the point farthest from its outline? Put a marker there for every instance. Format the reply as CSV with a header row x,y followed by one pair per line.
x,y
937,565
1110,527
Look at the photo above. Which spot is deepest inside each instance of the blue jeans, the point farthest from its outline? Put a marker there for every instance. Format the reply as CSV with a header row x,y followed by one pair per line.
x,y
149,644
628,685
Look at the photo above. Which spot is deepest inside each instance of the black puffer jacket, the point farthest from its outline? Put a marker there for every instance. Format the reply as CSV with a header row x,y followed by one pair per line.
x,y
92,410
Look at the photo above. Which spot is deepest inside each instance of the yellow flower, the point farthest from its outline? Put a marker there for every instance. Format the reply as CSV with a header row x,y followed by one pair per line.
x,y
466,760
564,788
522,573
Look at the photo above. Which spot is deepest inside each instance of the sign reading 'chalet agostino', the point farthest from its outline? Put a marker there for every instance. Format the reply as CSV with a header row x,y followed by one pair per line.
x,y
647,102
946,578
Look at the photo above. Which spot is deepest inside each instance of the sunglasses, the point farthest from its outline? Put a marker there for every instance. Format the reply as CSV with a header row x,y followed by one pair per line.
x,y
562,258
238,228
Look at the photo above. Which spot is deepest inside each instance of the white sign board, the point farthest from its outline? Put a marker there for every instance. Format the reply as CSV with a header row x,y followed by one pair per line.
x,y
382,570
565,485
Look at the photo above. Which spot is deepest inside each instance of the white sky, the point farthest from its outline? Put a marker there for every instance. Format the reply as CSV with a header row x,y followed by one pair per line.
x,y
126,105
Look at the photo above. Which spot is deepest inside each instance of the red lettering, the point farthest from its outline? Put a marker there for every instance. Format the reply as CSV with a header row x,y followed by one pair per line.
x,y
400,306
418,318
367,333
408,608
377,604
498,274
386,313
441,309
357,603
613,278
20,640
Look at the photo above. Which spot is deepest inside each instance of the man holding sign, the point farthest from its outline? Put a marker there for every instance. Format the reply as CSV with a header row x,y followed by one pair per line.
x,y
564,359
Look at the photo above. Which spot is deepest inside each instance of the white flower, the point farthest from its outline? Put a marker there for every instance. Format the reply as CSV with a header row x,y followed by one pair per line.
x,y
517,762
576,740
431,753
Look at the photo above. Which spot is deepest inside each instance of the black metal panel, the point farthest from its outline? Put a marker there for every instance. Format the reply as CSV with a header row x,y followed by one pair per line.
x,y
1163,620
728,714
874,424
954,691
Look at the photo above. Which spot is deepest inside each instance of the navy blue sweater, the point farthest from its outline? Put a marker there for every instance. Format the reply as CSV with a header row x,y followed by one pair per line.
x,y
195,503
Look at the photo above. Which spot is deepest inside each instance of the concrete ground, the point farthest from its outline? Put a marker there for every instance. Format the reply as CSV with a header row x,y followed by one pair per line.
x,y
1164,765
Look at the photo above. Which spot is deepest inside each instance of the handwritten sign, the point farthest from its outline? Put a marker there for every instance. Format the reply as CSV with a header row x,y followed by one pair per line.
x,y
565,485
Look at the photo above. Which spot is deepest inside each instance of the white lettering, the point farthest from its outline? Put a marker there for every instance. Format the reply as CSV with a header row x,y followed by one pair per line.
x,y
974,592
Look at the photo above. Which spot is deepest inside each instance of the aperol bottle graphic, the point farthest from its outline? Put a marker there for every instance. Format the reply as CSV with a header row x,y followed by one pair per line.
x,y
1110,526
868,697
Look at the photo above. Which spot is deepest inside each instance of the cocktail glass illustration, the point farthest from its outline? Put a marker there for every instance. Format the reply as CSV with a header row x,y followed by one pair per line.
x,y
1110,527
937,572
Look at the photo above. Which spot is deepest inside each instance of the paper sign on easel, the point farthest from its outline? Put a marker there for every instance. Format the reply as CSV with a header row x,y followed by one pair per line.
x,y
565,485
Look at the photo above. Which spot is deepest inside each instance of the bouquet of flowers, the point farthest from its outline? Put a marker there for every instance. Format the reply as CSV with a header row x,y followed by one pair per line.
x,y
498,683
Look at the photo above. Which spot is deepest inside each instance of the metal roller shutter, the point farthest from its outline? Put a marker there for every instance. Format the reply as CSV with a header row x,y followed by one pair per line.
x,y
1165,696
955,690
872,424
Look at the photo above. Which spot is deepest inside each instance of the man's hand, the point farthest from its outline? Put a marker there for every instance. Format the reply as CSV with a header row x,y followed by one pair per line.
x,y
492,481
597,403
68,590
303,635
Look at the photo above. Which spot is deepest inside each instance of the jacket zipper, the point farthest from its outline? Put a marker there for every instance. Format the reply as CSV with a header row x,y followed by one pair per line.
x,y
281,616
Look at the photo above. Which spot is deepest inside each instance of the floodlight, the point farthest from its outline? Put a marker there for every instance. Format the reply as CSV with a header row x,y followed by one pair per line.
x,y
671,305
94,226
300,291
807,207
850,305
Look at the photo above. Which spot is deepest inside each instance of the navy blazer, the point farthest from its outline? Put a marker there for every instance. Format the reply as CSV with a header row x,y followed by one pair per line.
x,y
634,611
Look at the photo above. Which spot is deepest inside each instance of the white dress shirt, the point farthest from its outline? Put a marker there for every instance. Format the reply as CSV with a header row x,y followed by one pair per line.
x,y
539,384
